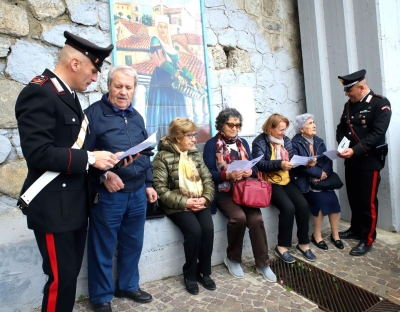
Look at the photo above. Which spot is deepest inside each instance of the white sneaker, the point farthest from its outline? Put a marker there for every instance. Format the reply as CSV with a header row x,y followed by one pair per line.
x,y
267,273
234,268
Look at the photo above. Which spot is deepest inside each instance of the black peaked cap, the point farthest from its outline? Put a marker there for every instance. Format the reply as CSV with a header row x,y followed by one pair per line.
x,y
350,80
95,53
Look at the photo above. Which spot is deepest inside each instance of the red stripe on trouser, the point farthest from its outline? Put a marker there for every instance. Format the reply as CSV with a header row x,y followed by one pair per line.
x,y
373,208
53,289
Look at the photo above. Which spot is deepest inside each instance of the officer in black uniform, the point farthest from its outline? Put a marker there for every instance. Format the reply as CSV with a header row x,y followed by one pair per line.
x,y
364,122
49,119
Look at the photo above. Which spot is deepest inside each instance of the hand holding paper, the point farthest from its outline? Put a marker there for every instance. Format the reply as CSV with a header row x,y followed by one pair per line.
x,y
243,164
343,145
301,160
144,146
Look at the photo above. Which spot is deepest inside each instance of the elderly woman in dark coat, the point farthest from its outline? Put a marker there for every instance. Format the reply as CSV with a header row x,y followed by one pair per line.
x,y
186,189
322,203
276,149
219,152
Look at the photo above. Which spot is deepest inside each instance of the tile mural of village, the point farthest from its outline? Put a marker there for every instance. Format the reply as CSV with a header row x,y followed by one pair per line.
x,y
163,41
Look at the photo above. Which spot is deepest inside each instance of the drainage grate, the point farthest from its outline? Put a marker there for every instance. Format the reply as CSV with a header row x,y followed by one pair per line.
x,y
331,293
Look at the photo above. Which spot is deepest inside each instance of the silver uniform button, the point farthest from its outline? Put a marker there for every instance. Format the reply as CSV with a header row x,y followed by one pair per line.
x,y
64,185
73,119
349,132
352,117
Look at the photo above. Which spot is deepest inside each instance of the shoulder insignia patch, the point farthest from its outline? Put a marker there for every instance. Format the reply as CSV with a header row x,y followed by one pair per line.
x,y
386,107
40,80
57,85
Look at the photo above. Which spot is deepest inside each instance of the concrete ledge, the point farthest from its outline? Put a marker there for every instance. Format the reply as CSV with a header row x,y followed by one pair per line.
x,y
22,279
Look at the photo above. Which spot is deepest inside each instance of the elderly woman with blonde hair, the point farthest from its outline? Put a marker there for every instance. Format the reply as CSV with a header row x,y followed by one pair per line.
x,y
322,203
185,187
276,149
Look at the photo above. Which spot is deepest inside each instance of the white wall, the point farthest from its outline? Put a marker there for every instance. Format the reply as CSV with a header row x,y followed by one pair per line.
x,y
339,37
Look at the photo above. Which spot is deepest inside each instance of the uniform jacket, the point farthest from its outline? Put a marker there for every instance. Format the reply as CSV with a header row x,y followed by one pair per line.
x,y
370,119
211,162
302,174
262,146
49,121
166,178
118,131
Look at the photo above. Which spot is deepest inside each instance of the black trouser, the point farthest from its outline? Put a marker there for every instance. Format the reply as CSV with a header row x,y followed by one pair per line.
x,y
291,204
362,189
198,234
62,255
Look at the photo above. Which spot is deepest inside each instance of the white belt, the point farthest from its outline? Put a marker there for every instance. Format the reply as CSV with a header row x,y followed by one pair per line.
x,y
49,176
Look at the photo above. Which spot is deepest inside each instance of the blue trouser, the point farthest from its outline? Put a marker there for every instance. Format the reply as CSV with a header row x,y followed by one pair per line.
x,y
118,217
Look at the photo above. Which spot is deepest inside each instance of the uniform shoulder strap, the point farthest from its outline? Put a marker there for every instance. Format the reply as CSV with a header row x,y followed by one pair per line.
x,y
39,80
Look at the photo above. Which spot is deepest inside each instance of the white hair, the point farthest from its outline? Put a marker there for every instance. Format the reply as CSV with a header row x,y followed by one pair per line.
x,y
301,120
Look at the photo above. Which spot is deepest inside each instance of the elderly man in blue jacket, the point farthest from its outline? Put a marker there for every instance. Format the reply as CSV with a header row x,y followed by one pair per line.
x,y
122,194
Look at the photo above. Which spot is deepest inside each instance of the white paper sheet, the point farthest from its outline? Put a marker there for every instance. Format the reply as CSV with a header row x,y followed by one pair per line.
x,y
243,164
301,160
151,140
344,144
332,154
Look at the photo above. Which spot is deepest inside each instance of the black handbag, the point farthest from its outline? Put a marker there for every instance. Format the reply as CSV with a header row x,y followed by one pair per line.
x,y
333,182
154,211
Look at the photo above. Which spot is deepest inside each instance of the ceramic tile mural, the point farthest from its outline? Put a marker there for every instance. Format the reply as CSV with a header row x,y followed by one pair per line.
x,y
163,41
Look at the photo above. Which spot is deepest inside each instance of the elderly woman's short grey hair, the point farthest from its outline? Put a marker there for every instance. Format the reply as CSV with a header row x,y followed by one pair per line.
x,y
300,121
126,69
224,116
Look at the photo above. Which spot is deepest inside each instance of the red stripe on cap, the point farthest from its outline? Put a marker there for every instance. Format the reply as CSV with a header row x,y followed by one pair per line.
x,y
53,289
70,159
373,208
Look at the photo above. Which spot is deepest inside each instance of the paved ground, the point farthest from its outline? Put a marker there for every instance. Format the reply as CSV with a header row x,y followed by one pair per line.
x,y
378,272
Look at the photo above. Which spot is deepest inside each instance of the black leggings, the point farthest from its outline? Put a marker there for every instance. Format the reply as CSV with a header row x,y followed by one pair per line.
x,y
198,233
291,204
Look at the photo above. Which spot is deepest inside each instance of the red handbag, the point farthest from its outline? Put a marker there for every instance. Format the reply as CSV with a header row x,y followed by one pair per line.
x,y
252,192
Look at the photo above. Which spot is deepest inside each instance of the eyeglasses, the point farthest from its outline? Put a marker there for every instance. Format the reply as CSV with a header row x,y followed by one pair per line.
x,y
231,125
192,135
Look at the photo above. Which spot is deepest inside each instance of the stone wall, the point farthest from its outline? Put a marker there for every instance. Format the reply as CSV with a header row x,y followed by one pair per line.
x,y
251,43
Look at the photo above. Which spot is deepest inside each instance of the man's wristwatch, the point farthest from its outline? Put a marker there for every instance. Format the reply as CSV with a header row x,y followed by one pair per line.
x,y
91,158
103,177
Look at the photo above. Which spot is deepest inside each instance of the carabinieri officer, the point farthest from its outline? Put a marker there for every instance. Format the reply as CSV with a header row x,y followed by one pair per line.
x,y
364,122
52,130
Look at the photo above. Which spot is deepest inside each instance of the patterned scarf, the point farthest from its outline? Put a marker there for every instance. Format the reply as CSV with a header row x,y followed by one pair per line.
x,y
190,183
223,156
310,143
280,150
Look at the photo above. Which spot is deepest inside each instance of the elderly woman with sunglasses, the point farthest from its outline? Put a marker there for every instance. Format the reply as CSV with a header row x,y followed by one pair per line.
x,y
219,152
185,187
276,149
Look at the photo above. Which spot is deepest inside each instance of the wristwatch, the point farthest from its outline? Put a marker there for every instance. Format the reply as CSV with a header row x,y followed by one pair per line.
x,y
91,158
103,177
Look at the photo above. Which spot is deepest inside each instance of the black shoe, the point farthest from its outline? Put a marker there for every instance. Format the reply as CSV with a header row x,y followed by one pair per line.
x,y
192,287
286,256
308,254
137,296
102,307
337,243
207,282
360,250
348,234
321,245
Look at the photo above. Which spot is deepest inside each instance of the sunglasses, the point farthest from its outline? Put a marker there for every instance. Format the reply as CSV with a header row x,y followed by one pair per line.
x,y
192,135
231,125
